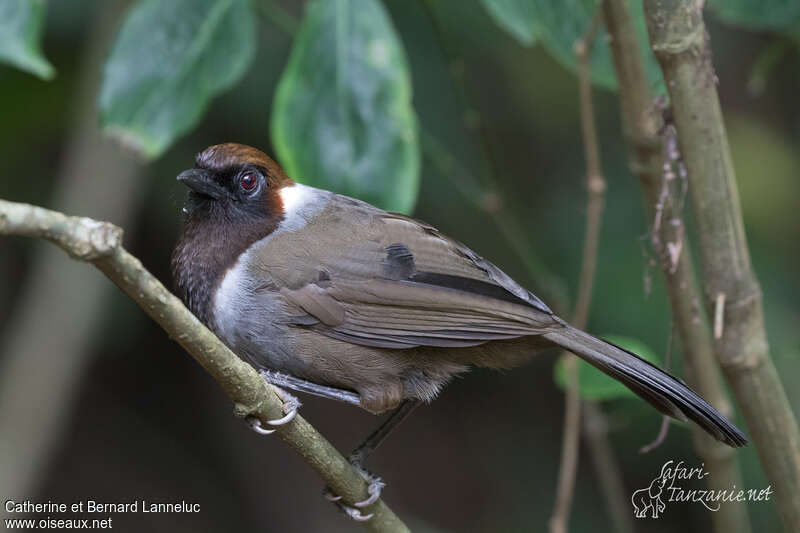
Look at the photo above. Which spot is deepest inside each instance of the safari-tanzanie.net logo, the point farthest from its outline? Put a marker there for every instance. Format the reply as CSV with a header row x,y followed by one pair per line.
x,y
668,487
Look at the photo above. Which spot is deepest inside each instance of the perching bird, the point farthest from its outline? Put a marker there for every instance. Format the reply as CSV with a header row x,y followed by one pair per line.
x,y
333,296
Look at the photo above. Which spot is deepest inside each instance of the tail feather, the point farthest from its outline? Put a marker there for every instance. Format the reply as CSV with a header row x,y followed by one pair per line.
x,y
666,393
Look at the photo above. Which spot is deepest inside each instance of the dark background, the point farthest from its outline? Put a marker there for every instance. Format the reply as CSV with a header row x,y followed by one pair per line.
x,y
143,421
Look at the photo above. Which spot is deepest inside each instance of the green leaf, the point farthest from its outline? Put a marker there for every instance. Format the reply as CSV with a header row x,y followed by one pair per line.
x,y
342,117
21,24
559,24
776,15
566,22
517,17
170,59
595,385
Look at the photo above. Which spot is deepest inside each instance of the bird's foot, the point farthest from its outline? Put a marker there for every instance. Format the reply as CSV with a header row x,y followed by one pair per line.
x,y
374,489
290,406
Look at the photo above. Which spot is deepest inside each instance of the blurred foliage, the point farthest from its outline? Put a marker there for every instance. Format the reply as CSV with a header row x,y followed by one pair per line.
x,y
342,116
767,61
597,386
772,192
520,18
777,15
558,25
169,60
20,36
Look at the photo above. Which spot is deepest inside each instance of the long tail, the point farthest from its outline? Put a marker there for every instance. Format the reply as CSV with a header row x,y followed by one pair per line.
x,y
664,392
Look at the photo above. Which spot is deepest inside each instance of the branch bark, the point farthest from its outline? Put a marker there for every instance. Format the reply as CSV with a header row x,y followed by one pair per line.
x,y
100,243
641,125
680,41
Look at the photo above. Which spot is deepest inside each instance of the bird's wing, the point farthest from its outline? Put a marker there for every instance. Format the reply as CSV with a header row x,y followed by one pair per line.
x,y
380,279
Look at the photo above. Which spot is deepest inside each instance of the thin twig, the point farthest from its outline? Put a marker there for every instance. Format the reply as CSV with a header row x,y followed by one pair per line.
x,y
550,286
100,243
517,238
662,434
482,188
595,431
719,315
595,203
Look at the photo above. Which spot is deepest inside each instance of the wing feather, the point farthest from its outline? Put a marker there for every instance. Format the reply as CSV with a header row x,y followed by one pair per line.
x,y
392,281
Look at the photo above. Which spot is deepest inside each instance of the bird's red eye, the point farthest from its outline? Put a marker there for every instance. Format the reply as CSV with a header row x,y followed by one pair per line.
x,y
248,181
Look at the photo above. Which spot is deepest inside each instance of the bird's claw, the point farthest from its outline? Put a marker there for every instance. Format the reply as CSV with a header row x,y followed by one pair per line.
x,y
374,489
255,425
355,514
328,494
376,485
352,512
290,406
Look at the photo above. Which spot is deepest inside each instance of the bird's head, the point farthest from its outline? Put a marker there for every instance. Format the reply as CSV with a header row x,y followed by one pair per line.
x,y
235,183
234,201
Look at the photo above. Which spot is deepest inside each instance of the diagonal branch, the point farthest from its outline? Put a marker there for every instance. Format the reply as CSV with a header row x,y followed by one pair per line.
x,y
100,243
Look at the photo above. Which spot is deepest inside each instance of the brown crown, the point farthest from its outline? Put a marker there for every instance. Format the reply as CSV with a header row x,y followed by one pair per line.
x,y
231,155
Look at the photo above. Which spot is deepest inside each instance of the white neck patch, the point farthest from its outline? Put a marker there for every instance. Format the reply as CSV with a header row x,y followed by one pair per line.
x,y
300,204
294,196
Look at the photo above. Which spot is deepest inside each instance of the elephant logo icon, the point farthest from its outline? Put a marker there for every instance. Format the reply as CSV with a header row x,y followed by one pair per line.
x,y
649,499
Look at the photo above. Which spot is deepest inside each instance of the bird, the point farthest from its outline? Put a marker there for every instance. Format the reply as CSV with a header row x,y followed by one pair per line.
x,y
327,294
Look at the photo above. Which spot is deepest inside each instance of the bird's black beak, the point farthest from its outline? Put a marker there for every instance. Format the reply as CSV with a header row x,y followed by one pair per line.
x,y
202,182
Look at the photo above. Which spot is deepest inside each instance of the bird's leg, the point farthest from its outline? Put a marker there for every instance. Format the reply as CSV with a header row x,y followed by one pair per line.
x,y
361,453
291,403
300,385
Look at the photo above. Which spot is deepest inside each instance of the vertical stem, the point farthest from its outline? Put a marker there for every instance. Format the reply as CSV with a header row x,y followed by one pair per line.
x,y
679,39
641,125
595,202
595,431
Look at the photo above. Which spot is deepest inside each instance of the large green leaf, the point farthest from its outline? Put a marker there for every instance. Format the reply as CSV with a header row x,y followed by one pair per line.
x,y
169,60
21,24
593,384
517,17
559,24
759,14
342,117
